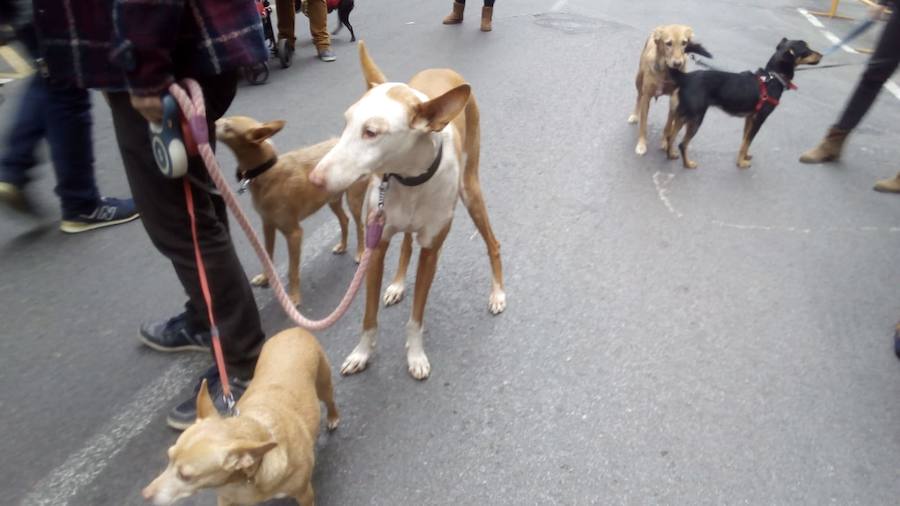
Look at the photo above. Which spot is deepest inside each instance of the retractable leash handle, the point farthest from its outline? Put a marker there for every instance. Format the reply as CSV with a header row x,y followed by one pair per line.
x,y
172,141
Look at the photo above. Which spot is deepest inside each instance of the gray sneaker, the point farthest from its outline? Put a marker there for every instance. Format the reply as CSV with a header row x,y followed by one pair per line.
x,y
326,54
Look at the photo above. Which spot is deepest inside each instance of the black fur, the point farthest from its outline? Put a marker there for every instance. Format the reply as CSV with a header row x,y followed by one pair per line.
x,y
344,9
735,93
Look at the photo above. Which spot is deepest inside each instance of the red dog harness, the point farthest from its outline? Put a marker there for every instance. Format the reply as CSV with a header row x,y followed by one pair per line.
x,y
764,97
333,4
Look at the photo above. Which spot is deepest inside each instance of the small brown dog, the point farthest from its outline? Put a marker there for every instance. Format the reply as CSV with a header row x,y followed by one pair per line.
x,y
665,48
268,449
282,193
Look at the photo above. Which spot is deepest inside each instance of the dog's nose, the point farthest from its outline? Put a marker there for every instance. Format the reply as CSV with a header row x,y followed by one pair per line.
x,y
147,493
678,64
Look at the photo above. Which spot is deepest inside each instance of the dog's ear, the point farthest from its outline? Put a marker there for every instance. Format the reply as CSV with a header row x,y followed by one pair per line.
x,y
437,112
264,131
694,47
245,454
371,73
205,406
781,44
658,34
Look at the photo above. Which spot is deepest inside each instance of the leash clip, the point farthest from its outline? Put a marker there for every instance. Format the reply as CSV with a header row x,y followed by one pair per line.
x,y
230,405
382,188
244,184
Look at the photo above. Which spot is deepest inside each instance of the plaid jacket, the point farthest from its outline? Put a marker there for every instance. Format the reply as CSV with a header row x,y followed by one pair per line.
x,y
141,45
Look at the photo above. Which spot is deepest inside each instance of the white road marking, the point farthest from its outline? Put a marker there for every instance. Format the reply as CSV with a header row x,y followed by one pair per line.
x,y
892,87
812,19
663,193
81,468
661,180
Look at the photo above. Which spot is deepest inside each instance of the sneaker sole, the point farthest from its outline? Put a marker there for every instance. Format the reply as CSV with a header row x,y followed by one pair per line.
x,y
75,227
177,424
154,346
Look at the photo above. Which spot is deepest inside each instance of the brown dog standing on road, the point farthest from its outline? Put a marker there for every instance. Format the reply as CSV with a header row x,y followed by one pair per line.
x,y
268,449
282,193
667,47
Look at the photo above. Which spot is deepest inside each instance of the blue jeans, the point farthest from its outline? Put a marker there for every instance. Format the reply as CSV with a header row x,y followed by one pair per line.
x,y
63,116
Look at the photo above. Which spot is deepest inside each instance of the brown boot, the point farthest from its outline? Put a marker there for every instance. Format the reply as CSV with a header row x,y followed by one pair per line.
x,y
455,17
829,149
487,13
891,185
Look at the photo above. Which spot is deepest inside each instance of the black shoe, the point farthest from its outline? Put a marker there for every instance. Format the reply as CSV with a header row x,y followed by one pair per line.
x,y
897,341
175,334
184,415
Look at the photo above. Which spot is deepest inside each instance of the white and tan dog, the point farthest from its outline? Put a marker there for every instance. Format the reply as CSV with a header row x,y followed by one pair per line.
x,y
427,134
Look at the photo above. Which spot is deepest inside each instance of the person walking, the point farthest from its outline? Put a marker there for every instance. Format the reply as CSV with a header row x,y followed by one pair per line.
x,y
317,11
214,38
61,114
487,14
879,69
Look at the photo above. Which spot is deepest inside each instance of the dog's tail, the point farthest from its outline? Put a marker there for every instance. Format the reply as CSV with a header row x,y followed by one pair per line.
x,y
697,48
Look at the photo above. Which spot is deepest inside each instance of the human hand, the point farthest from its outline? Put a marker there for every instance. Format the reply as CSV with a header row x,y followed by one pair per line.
x,y
150,107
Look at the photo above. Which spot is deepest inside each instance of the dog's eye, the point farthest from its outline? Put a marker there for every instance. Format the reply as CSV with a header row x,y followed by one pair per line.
x,y
669,43
369,133
684,43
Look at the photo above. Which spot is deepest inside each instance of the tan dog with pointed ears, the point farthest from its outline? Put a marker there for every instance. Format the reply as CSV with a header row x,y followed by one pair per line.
x,y
424,138
268,449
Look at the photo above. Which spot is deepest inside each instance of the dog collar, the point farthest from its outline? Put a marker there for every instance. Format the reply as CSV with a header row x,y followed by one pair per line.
x,y
244,177
789,85
421,178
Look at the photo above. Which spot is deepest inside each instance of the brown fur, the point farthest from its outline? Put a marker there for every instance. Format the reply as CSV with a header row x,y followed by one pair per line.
x,y
283,195
652,79
268,449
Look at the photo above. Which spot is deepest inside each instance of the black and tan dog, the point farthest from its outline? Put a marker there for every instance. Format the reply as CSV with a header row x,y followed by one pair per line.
x,y
753,95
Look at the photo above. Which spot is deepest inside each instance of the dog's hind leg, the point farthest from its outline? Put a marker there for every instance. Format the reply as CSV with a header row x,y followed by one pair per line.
x,y
359,357
419,367
394,292
325,391
269,233
751,128
672,135
338,211
295,246
692,126
474,202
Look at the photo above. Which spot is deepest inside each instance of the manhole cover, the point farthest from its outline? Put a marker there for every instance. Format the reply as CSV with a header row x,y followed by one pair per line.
x,y
569,23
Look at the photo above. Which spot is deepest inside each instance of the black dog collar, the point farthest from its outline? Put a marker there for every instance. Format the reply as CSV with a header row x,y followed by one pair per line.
x,y
249,175
421,178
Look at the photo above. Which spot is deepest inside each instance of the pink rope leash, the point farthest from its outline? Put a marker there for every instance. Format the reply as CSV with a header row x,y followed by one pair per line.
x,y
192,105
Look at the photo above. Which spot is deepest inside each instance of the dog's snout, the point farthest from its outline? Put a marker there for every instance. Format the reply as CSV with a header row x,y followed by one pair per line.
x,y
678,64
147,493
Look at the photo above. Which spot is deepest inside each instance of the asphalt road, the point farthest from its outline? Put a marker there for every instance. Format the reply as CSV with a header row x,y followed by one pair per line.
x,y
673,337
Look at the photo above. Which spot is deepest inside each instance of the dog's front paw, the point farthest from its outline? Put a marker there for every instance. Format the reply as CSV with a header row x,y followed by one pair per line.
x,y
690,164
632,119
744,164
260,280
339,249
333,423
641,148
419,367
356,361
296,298
394,294
672,154
497,301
